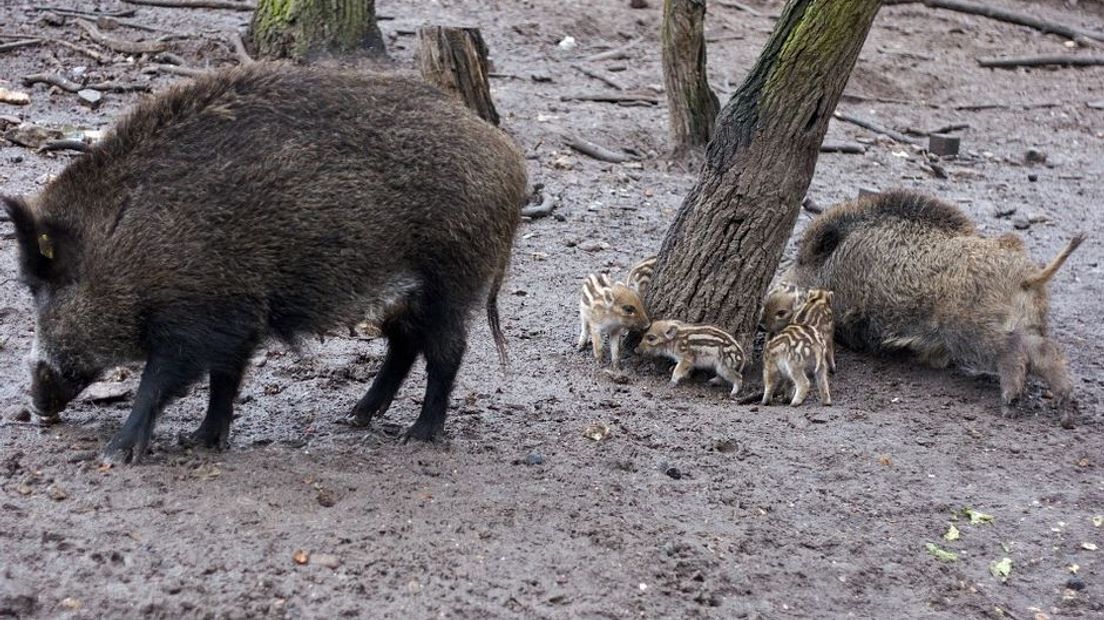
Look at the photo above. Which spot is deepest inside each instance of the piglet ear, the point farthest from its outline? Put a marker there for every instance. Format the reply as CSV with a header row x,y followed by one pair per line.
x,y
671,331
607,296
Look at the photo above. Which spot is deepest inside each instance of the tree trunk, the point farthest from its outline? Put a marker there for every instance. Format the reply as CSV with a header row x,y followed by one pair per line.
x,y
722,250
455,59
691,105
303,29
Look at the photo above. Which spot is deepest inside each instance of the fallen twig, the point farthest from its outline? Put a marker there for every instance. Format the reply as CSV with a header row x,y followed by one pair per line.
x,y
851,148
1096,105
595,151
811,206
175,70
739,6
544,209
854,120
613,98
1041,61
598,76
973,107
14,45
79,13
239,48
615,53
120,45
168,58
1011,17
64,145
53,80
120,87
944,129
103,59
196,4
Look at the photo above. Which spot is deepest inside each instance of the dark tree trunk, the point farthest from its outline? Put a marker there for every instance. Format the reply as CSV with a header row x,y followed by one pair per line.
x,y
303,29
691,105
723,248
455,59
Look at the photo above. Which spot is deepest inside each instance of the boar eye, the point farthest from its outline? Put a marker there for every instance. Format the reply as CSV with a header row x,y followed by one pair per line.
x,y
628,309
780,313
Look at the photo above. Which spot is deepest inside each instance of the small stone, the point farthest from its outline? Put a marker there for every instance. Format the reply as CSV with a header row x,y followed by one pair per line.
x,y
1032,177
51,18
56,493
674,473
105,392
943,145
22,415
90,97
326,560
1035,156
300,557
867,191
1004,211
534,458
325,498
1037,218
638,4
593,246
1021,223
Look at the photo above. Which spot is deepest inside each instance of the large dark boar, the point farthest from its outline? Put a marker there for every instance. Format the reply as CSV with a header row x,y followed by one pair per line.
x,y
910,272
266,201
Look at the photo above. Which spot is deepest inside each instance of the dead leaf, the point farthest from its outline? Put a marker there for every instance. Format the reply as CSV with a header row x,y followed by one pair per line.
x,y
597,431
300,557
1001,569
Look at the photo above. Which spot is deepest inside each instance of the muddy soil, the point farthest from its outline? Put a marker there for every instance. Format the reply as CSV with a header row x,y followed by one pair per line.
x,y
693,506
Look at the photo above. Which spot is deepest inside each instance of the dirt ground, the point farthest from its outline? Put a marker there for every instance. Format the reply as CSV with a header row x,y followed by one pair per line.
x,y
693,506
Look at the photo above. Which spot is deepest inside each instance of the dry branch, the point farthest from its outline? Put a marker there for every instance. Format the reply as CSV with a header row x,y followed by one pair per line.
x,y
595,151
53,80
614,98
616,53
239,48
850,148
63,145
79,13
598,76
544,209
1011,17
196,4
1041,61
174,70
865,124
120,45
103,59
18,44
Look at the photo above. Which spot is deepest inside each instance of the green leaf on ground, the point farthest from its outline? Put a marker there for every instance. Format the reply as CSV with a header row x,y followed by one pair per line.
x,y
952,533
1098,520
942,555
1001,569
976,518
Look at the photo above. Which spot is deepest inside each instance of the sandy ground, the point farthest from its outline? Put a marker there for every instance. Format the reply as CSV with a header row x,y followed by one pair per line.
x,y
693,506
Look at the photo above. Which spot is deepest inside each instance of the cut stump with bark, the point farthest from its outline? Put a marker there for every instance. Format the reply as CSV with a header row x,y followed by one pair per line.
x,y
722,250
455,60
305,29
691,105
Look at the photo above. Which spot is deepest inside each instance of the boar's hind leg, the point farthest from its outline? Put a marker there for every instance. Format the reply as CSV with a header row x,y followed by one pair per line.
x,y
164,379
1049,363
444,342
402,350
214,431
1012,369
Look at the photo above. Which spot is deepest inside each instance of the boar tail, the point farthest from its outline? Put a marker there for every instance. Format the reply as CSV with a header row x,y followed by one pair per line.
x,y
492,315
1047,272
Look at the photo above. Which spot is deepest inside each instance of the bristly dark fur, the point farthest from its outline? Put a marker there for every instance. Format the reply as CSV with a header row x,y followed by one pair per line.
x,y
824,234
271,200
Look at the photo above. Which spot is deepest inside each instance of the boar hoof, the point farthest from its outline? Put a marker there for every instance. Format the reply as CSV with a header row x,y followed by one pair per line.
x,y
421,432
122,451
203,438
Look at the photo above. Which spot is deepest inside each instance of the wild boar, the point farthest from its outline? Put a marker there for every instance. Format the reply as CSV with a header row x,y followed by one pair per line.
x,y
909,271
268,201
608,310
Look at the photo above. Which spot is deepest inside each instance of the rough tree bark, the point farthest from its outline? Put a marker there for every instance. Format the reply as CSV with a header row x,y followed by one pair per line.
x,y
302,29
726,241
691,105
455,59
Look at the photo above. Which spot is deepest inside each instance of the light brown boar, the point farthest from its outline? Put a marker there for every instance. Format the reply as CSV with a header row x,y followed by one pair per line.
x,y
909,271
608,310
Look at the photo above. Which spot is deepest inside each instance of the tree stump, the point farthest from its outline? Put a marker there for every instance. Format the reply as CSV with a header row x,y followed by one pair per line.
x,y
723,248
455,59
691,105
302,29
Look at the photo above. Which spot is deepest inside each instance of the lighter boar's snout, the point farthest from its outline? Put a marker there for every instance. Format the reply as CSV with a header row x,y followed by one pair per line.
x,y
52,390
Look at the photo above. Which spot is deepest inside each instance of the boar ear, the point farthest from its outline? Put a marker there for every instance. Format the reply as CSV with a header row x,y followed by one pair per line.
x,y
45,251
607,295
671,331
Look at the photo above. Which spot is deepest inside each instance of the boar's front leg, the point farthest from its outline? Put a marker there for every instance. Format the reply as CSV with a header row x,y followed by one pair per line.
x,y
214,431
402,350
164,379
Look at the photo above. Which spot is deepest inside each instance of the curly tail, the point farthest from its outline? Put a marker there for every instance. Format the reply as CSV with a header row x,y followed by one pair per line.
x,y
1048,271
